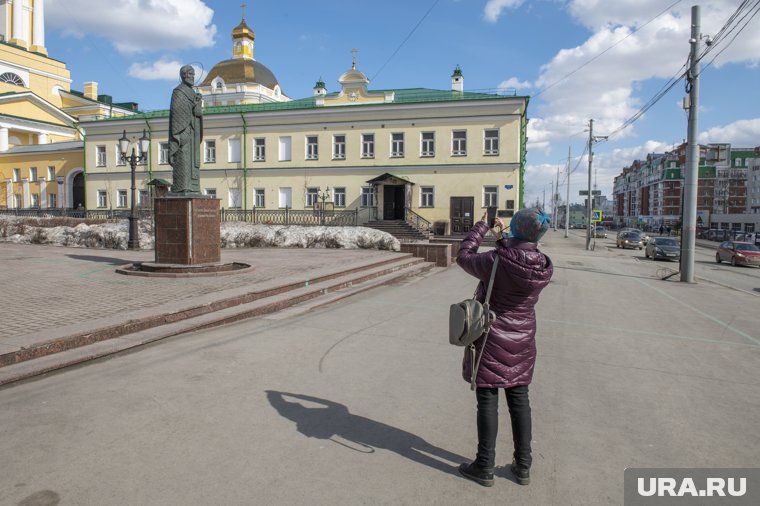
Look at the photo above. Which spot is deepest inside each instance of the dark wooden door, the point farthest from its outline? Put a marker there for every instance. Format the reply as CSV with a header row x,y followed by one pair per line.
x,y
77,191
462,209
393,202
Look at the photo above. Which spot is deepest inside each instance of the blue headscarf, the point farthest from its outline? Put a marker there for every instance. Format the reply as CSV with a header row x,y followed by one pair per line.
x,y
529,224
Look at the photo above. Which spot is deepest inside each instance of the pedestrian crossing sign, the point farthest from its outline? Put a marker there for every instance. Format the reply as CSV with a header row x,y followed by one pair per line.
x,y
596,215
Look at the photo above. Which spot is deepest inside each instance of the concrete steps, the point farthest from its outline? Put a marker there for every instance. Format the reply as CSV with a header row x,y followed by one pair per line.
x,y
399,229
297,297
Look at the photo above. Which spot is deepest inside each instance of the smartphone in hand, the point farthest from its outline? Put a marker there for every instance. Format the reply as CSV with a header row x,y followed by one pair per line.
x,y
491,216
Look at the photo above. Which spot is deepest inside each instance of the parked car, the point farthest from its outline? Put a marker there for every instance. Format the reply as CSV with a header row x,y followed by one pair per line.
x,y
738,253
668,248
629,240
600,232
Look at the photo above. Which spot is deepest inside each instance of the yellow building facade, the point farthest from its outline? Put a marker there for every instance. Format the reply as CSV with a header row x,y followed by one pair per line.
x,y
39,114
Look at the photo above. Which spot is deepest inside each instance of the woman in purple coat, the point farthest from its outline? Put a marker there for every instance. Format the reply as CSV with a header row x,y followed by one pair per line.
x,y
510,351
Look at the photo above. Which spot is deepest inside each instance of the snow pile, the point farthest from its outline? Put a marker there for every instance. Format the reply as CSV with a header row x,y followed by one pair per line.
x,y
233,235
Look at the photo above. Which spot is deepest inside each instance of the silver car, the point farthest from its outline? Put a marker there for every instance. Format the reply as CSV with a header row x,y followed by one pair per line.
x,y
629,240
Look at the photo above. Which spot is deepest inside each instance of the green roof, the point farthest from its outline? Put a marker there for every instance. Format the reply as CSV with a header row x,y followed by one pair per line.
x,y
403,96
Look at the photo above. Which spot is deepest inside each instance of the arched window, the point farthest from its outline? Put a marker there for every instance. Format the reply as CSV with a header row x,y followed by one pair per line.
x,y
10,77
219,85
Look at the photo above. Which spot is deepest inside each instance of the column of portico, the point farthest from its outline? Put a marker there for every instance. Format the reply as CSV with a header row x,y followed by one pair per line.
x,y
42,138
9,193
43,193
38,27
3,138
17,24
61,196
27,199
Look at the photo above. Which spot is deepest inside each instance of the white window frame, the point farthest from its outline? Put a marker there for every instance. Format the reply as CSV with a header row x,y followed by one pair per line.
x,y
285,197
235,198
121,199
259,198
368,146
427,146
458,144
35,200
285,144
16,175
143,198
51,173
259,149
490,143
339,147
312,147
100,155
211,192
339,196
52,200
102,199
163,153
209,151
397,144
17,201
368,197
490,198
234,151
427,196
311,196
32,174
117,155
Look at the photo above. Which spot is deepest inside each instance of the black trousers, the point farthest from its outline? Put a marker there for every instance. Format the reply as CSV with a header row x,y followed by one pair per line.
x,y
488,425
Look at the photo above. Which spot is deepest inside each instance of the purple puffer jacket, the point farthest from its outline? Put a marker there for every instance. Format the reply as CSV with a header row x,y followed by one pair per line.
x,y
523,272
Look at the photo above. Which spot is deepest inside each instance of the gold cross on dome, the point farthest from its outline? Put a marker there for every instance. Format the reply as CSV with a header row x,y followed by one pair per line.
x,y
242,6
353,58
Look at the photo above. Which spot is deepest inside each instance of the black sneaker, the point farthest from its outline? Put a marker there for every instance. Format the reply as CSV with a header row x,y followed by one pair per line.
x,y
475,473
522,474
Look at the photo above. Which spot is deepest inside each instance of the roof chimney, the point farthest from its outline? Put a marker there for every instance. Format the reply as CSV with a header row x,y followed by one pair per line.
x,y
91,90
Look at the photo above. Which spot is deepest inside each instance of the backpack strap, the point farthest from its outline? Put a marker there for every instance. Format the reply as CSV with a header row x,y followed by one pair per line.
x,y
489,321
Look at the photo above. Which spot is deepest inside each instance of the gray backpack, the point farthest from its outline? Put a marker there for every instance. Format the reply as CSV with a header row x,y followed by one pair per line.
x,y
470,319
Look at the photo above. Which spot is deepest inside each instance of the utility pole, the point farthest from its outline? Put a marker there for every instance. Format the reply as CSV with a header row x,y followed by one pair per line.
x,y
589,196
590,199
691,180
556,201
567,204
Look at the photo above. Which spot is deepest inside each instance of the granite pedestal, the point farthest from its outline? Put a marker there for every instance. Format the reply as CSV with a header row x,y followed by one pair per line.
x,y
187,230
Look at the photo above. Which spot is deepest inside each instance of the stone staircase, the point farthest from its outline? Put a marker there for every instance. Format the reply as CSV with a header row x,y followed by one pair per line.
x,y
275,299
399,229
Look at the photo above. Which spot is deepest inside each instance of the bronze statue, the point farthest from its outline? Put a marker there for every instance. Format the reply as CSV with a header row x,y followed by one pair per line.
x,y
185,135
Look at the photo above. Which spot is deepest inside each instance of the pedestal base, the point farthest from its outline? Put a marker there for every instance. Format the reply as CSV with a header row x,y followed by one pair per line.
x,y
187,230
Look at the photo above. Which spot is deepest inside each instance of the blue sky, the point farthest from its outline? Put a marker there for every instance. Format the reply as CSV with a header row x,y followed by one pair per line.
x,y
577,59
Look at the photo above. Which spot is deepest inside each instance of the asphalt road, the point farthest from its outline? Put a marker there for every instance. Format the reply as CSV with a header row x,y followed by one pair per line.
x,y
362,402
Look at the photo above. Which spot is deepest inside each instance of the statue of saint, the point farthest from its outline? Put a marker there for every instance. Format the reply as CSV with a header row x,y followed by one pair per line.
x,y
185,135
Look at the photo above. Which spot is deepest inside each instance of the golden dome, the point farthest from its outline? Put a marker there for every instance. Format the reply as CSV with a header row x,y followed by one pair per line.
x,y
243,30
239,70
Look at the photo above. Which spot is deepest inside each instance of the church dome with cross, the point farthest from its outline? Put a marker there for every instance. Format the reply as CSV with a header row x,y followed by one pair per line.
x,y
241,79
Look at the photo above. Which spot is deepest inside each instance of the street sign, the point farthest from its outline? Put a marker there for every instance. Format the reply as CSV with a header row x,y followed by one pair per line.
x,y
583,192
593,192
596,215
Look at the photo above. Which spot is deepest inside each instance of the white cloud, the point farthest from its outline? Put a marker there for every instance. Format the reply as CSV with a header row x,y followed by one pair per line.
x,y
161,70
514,83
493,8
136,25
744,133
606,89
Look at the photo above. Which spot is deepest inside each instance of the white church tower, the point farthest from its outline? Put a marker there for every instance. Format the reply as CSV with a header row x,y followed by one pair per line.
x,y
23,23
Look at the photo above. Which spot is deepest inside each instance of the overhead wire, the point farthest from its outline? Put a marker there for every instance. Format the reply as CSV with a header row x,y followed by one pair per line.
x,y
406,39
635,30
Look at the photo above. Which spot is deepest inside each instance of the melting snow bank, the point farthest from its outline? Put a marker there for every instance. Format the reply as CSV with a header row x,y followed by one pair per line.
x,y
233,235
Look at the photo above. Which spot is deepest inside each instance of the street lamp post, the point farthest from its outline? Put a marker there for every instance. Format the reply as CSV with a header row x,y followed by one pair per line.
x,y
323,196
133,159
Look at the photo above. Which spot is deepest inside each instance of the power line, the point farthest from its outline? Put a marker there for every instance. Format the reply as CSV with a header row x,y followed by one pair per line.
x,y
635,30
406,39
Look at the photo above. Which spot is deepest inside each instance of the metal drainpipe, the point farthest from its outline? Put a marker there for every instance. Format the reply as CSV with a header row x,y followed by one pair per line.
x,y
150,151
245,161
523,151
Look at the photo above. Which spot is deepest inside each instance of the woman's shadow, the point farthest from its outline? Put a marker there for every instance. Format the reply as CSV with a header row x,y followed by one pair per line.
x,y
330,420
